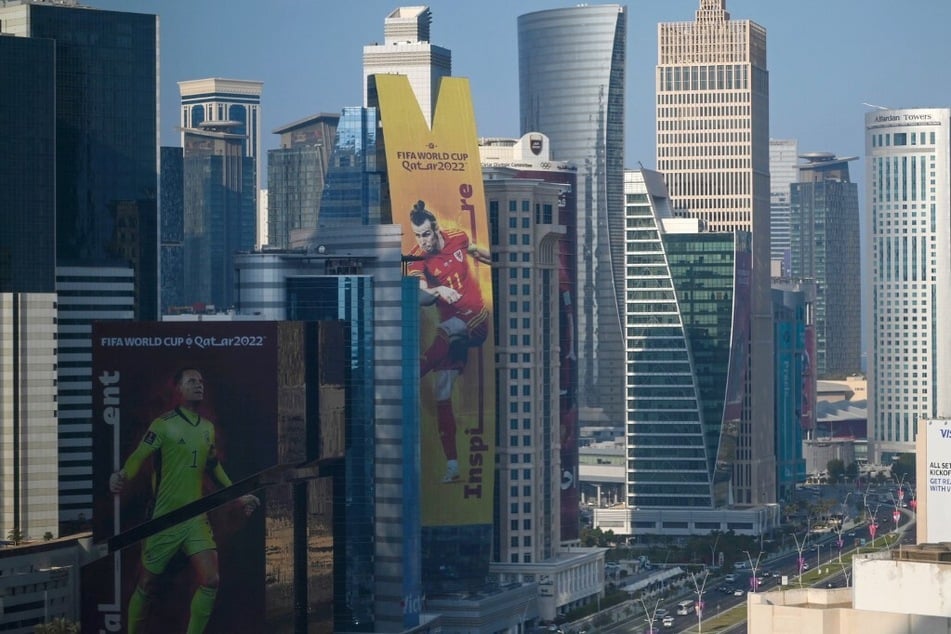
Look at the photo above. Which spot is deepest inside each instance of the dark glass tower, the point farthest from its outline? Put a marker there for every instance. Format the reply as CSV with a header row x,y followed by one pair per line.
x,y
28,194
106,139
824,211
173,228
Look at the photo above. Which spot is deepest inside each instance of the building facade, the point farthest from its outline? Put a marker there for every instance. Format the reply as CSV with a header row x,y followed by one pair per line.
x,y
29,498
783,156
571,89
792,313
407,50
219,213
172,232
824,211
713,150
908,189
219,101
296,176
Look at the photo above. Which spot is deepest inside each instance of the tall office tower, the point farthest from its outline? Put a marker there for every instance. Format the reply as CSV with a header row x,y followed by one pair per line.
x,y
824,208
84,295
27,166
29,500
106,132
908,191
571,88
406,50
687,311
783,155
235,102
792,314
219,212
530,158
172,233
296,175
355,192
355,274
106,182
713,150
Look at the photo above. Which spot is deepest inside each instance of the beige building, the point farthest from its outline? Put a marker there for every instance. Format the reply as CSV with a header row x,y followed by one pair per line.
x,y
905,591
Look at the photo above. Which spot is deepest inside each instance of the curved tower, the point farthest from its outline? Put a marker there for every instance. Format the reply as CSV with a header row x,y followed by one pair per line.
x,y
571,88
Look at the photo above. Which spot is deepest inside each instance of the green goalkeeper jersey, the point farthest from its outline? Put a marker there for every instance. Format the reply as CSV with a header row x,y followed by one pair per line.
x,y
184,447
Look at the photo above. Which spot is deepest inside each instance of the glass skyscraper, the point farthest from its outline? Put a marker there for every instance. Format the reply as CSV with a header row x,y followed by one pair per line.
x,y
783,155
824,230
908,193
571,88
713,150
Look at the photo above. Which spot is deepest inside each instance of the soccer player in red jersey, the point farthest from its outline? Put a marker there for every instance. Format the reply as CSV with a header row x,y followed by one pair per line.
x,y
446,278
184,444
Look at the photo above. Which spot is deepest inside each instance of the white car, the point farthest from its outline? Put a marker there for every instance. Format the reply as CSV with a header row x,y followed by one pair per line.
x,y
668,621
660,612
738,592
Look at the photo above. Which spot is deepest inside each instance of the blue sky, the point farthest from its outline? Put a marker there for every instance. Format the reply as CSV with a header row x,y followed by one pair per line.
x,y
825,58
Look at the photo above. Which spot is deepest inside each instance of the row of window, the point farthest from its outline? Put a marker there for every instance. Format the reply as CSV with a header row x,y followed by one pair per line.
x,y
903,138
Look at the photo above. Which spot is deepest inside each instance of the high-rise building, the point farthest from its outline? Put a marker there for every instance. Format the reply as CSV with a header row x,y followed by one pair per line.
x,y
29,491
106,189
783,155
219,212
571,89
407,50
792,314
713,150
106,157
232,102
172,233
296,175
355,191
908,193
824,231
28,165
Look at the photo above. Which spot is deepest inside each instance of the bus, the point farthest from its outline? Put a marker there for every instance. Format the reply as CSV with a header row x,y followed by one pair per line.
x,y
685,607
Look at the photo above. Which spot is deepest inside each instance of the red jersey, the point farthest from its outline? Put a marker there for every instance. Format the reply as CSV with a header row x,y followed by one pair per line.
x,y
450,267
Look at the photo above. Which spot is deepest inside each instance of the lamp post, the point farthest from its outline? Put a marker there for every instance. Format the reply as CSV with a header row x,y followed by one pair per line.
x,y
650,615
754,581
699,588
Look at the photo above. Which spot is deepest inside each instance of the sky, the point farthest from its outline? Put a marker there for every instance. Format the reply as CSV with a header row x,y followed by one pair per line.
x,y
825,58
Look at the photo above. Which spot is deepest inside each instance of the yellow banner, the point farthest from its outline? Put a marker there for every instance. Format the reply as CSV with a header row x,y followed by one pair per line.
x,y
436,191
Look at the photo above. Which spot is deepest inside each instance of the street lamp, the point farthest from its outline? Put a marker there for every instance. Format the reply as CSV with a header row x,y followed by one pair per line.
x,y
650,614
754,581
699,588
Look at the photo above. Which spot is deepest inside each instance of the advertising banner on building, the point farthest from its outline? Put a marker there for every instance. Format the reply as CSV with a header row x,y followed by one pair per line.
x,y
807,418
181,410
938,484
437,195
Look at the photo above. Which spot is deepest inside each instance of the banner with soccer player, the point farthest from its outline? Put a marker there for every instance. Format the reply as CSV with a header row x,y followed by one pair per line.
x,y
181,410
437,195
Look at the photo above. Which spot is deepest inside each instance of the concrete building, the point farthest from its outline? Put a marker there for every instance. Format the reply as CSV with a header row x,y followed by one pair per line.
x,y
824,234
571,89
218,101
783,155
407,50
713,150
908,193
29,494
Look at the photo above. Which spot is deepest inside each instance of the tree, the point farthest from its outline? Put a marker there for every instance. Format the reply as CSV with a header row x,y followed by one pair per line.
x,y
852,471
836,469
47,536
15,535
903,469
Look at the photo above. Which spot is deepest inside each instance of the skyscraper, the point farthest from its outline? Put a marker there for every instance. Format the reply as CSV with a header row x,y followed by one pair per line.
x,y
571,88
713,149
406,50
296,175
219,211
908,192
106,188
824,211
235,101
783,155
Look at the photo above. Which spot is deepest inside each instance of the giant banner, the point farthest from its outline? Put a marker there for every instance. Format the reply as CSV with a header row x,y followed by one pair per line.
x,y
436,193
181,410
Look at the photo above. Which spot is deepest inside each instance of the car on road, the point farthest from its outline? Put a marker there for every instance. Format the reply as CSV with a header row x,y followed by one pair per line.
x,y
668,621
738,592
660,612
730,578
